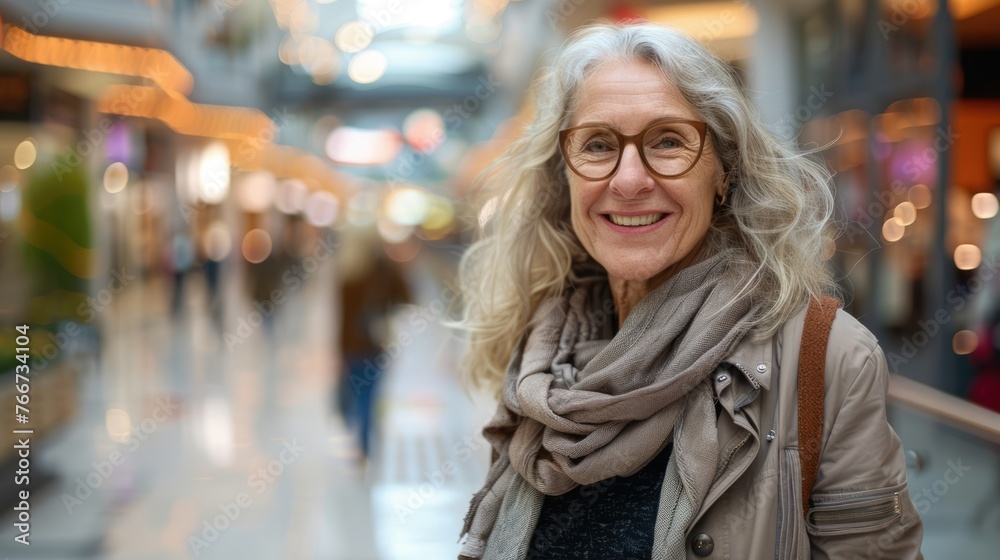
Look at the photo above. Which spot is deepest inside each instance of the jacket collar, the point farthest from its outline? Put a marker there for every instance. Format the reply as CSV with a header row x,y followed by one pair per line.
x,y
755,359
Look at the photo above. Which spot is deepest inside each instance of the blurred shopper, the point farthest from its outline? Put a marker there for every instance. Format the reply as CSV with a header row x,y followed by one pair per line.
x,y
182,260
639,303
368,291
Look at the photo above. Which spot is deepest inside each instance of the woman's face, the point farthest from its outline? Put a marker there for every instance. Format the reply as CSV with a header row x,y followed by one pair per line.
x,y
628,98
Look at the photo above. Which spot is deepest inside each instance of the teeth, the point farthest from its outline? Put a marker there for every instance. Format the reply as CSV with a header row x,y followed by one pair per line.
x,y
635,220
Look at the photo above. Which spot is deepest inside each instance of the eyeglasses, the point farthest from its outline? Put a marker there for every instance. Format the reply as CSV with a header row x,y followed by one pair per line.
x,y
668,148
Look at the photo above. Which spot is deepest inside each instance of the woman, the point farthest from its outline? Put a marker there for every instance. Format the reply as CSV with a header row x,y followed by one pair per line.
x,y
638,302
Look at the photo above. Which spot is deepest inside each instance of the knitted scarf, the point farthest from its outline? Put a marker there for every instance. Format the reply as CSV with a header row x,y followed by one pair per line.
x,y
578,408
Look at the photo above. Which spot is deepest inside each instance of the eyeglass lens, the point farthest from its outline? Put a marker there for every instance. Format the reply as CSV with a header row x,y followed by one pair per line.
x,y
669,149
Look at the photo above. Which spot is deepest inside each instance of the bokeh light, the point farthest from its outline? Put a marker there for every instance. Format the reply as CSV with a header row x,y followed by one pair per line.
x,y
118,424
405,251
25,154
424,130
367,67
288,51
213,173
356,146
322,209
218,242
10,205
985,205
893,230
967,256
392,231
9,177
906,213
254,191
290,196
407,206
115,177
440,215
256,246
354,37
965,342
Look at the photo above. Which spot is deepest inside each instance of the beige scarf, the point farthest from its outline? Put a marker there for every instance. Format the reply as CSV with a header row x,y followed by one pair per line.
x,y
578,408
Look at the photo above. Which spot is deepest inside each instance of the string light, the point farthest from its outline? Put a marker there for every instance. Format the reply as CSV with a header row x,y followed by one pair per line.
x,y
156,65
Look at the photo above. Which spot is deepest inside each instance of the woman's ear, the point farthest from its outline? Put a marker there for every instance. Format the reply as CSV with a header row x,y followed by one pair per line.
x,y
722,189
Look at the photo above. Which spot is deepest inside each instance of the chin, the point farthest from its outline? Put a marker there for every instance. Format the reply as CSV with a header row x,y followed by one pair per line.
x,y
639,271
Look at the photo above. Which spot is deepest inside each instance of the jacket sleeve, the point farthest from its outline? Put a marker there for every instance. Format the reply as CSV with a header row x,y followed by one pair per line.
x,y
861,506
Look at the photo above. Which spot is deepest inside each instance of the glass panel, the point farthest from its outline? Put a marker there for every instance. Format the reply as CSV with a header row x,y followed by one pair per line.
x,y
954,479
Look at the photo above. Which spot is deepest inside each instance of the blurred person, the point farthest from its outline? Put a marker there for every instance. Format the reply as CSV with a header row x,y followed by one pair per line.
x,y
268,283
182,260
637,304
370,286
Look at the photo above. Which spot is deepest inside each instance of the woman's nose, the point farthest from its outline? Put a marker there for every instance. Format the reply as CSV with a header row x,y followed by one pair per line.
x,y
632,177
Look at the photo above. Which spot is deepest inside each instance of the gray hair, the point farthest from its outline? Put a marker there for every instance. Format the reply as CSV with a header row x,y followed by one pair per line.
x,y
777,212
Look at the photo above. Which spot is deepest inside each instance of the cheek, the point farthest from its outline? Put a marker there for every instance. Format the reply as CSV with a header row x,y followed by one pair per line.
x,y
581,200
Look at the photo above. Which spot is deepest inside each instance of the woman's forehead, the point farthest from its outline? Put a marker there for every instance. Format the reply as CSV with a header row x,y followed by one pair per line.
x,y
628,95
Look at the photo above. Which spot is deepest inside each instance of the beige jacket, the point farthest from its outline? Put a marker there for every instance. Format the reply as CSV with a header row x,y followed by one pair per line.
x,y
860,505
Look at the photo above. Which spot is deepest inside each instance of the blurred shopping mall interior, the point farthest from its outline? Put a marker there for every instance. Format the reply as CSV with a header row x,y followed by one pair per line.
x,y
230,231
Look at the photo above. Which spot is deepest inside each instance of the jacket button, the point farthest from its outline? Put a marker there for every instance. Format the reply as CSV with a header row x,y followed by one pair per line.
x,y
702,545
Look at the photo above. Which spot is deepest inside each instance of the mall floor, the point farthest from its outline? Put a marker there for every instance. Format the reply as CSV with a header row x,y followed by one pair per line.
x,y
236,452
251,434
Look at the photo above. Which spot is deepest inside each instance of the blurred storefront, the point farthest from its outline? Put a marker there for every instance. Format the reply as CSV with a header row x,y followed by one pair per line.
x,y
907,105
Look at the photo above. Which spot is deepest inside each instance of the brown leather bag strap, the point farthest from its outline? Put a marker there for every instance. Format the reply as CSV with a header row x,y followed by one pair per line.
x,y
812,375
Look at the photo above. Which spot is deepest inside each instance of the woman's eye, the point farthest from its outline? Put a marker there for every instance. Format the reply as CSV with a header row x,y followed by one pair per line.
x,y
597,146
668,143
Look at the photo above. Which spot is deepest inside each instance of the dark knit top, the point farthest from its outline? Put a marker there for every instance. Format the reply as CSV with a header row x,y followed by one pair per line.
x,y
613,518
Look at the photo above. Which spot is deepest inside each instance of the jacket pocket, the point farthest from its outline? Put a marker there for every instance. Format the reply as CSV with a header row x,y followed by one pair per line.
x,y
793,542
855,513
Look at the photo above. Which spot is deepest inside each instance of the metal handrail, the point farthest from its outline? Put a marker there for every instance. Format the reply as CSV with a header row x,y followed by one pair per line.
x,y
949,409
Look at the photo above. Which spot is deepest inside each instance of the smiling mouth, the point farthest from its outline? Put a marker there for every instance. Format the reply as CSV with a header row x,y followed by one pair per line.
x,y
634,221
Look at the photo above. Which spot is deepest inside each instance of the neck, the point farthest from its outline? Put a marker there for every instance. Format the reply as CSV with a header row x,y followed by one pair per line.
x,y
627,293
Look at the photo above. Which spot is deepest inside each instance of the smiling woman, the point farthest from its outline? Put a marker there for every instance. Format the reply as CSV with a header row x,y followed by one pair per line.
x,y
637,303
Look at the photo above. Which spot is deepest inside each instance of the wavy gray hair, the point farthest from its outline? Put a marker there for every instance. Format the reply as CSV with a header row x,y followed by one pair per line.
x,y
779,203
